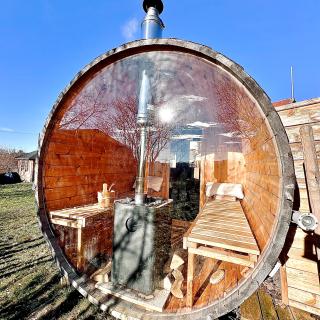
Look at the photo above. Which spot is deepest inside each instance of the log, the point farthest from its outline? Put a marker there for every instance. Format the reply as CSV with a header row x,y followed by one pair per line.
x,y
177,259
102,275
167,282
217,276
176,287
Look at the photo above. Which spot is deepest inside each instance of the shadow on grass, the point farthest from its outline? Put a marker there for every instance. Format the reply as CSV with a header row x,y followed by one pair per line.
x,y
71,301
30,283
5,246
20,266
9,253
33,299
27,297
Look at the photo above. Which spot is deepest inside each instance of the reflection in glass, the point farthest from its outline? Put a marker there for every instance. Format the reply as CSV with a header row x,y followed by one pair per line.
x,y
195,110
202,125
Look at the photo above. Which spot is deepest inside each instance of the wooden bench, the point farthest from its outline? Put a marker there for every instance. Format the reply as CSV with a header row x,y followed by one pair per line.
x,y
220,231
76,217
83,232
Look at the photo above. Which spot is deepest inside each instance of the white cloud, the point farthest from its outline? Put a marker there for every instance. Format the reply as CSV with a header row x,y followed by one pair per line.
x,y
129,29
187,136
193,98
199,124
6,129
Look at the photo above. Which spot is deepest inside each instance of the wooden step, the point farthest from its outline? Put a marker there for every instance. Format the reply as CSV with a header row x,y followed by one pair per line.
x,y
154,304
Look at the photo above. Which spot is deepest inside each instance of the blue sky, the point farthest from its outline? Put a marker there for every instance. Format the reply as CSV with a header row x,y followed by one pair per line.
x,y
44,43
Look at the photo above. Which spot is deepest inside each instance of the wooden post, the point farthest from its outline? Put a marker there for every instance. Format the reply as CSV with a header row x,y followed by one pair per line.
x,y
190,275
189,301
284,285
80,250
312,174
202,182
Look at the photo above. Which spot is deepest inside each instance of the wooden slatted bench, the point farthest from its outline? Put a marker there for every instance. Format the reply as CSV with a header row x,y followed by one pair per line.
x,y
220,231
83,232
76,217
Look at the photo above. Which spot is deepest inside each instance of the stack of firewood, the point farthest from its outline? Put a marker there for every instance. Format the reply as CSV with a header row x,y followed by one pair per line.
x,y
174,278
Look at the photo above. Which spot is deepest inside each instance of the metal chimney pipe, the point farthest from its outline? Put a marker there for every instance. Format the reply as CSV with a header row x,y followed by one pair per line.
x,y
151,27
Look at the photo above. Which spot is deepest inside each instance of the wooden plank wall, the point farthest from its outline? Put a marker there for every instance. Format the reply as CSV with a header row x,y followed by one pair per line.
x,y
78,162
261,189
301,269
293,117
254,164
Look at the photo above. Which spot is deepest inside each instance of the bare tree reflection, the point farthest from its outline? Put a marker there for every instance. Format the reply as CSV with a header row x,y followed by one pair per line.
x,y
118,120
236,110
86,110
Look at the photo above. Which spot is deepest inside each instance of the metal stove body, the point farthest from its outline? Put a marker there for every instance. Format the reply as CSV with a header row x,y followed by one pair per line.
x,y
141,245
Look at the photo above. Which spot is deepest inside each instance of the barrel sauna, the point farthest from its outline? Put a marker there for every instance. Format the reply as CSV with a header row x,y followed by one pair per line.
x,y
212,128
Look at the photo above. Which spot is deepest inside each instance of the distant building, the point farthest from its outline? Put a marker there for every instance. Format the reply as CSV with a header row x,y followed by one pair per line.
x,y
26,166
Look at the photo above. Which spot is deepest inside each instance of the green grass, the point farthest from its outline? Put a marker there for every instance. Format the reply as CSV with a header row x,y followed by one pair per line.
x,y
29,279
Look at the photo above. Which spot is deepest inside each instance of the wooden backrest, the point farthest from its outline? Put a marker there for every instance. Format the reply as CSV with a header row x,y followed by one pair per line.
x,y
162,170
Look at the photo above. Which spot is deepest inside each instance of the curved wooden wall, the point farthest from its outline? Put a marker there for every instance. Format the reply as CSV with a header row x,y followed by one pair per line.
x,y
78,162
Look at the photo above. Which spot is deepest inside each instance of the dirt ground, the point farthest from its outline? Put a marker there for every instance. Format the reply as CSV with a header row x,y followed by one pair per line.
x,y
30,280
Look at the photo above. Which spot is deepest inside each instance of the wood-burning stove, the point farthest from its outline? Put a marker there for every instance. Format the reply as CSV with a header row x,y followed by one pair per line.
x,y
141,244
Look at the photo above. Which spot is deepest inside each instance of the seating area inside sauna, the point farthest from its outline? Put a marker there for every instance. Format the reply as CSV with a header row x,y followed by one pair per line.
x,y
210,191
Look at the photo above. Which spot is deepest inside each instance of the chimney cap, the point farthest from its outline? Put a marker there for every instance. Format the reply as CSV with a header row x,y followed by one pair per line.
x,y
153,3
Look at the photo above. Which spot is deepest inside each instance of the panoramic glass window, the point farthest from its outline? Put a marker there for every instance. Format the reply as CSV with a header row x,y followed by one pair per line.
x,y
206,139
